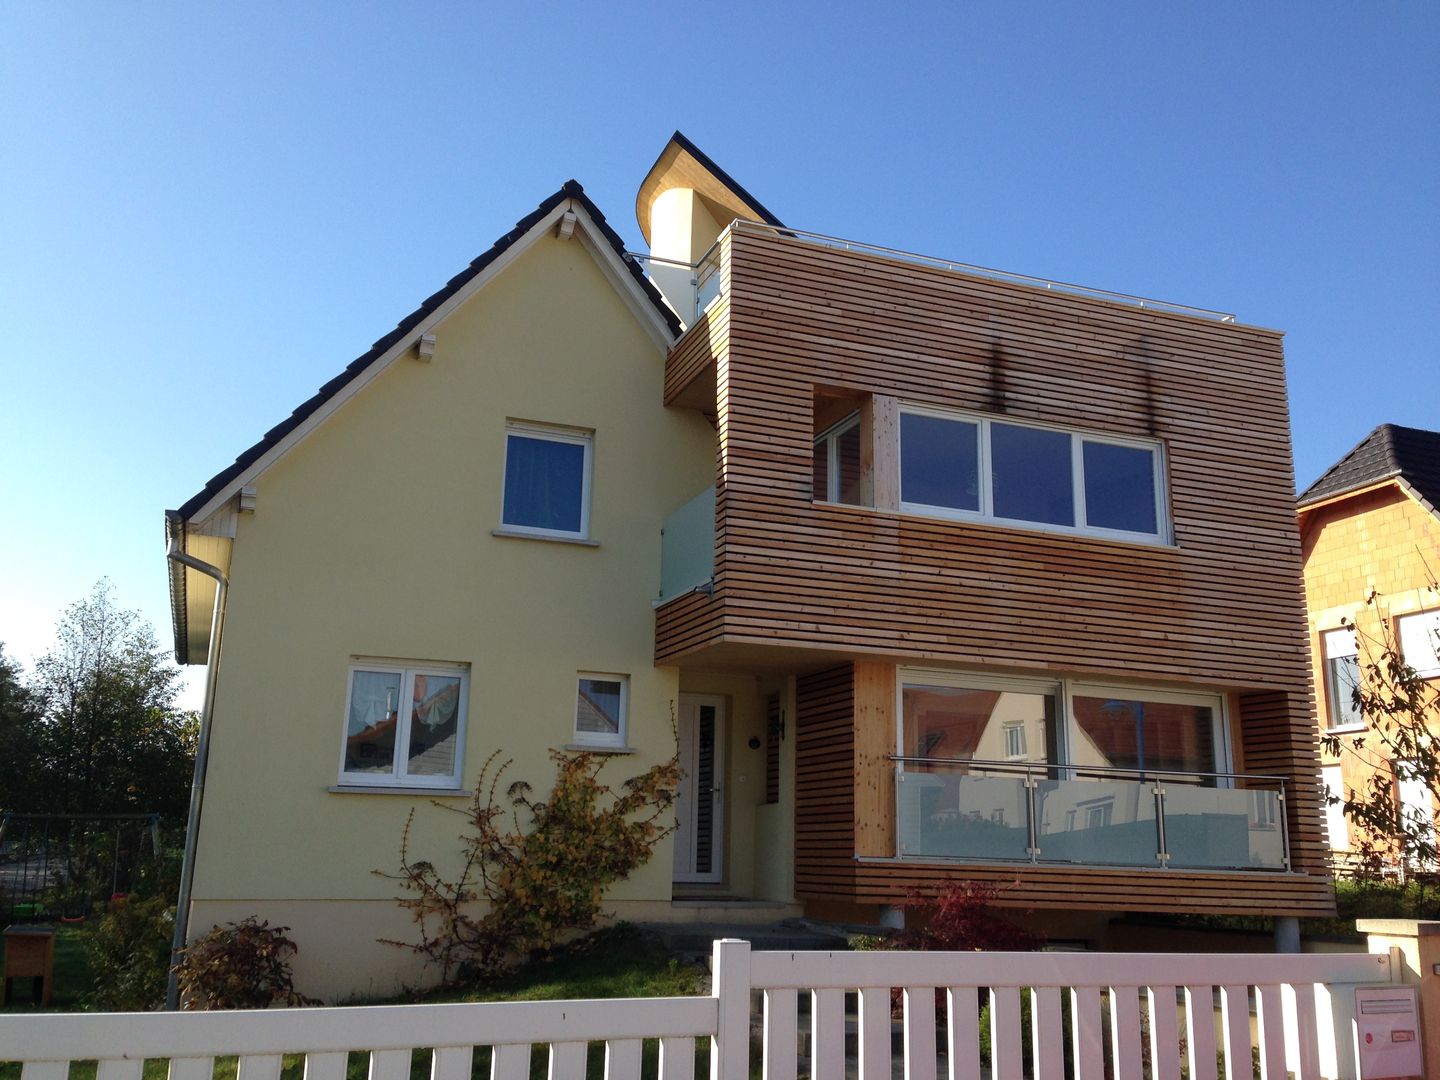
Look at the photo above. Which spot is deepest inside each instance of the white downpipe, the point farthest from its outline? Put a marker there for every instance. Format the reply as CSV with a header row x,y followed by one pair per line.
x,y
202,754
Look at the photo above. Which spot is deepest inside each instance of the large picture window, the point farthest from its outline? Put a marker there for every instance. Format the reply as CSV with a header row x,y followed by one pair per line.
x,y
404,724
547,481
977,467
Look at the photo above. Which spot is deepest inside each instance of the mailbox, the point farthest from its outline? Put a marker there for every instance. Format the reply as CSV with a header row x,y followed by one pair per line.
x,y
1387,1032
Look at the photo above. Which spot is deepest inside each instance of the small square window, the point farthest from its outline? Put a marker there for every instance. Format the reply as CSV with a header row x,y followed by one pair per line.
x,y
601,707
547,481
404,724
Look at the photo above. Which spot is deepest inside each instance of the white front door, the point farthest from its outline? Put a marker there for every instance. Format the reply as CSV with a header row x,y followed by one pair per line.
x,y
700,805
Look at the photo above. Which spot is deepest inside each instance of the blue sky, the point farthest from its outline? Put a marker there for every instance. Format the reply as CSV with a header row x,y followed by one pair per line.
x,y
206,211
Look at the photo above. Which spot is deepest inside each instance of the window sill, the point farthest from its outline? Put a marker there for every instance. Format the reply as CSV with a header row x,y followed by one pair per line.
x,y
1004,525
516,534
592,748
399,789
1346,729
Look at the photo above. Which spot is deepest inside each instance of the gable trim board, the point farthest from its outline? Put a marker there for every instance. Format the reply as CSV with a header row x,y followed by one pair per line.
x,y
590,230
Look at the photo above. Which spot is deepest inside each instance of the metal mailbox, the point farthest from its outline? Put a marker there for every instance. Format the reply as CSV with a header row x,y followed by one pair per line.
x,y
1387,1032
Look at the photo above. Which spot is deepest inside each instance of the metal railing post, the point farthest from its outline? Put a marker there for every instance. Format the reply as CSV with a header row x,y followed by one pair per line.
x,y
1163,854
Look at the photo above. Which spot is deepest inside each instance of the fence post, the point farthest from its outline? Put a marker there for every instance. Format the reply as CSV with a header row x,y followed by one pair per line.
x,y
730,986
1417,943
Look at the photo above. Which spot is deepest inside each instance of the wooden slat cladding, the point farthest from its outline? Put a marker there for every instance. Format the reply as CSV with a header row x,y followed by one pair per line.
x,y
1220,607
697,350
824,783
1278,739
840,792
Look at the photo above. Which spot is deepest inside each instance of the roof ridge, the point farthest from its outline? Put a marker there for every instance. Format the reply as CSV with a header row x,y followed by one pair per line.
x,y
570,189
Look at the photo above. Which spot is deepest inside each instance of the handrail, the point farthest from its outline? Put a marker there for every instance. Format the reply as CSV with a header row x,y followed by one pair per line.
x,y
743,225
1029,766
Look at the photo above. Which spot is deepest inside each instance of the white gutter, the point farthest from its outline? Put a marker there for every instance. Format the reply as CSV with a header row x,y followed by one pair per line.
x,y
202,754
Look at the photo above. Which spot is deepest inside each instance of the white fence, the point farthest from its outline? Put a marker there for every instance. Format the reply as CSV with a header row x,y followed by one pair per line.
x,y
823,1015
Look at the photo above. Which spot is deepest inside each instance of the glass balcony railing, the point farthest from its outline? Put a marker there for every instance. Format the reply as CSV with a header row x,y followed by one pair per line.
x,y
687,546
1038,813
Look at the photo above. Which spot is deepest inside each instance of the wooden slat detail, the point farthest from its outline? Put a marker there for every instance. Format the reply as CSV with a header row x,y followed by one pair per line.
x,y
874,772
1222,608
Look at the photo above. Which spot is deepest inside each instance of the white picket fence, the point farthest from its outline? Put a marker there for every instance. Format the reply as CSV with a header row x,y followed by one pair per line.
x,y
1112,1015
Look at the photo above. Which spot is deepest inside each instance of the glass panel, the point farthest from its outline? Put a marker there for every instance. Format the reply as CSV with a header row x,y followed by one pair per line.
x,y
1342,680
939,462
598,709
820,472
1097,822
1223,828
945,812
1153,736
434,725
370,727
1119,488
992,725
544,483
847,461
1031,474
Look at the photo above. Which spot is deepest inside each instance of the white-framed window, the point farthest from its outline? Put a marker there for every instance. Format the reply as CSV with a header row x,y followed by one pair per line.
x,y
1342,679
547,480
836,476
1419,637
602,709
1335,824
404,723
985,468
1093,729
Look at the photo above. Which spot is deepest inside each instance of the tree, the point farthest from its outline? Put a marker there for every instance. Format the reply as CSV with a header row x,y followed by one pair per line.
x,y
111,739
20,740
1400,744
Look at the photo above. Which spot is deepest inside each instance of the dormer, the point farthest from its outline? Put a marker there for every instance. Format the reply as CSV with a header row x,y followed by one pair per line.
x,y
684,204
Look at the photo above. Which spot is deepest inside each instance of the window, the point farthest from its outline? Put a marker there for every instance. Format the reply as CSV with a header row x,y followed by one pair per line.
x,y
601,706
405,724
836,475
1342,679
1091,729
547,481
956,465
1419,636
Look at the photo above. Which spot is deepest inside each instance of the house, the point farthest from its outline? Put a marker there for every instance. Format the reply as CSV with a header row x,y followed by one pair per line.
x,y
937,573
1370,529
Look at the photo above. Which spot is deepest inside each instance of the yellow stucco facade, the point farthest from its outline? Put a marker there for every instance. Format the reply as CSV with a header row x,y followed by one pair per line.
x,y
372,537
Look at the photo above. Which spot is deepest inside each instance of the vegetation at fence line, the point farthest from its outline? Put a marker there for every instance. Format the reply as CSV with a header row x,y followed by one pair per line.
x,y
95,728
959,917
1401,712
538,868
244,965
129,954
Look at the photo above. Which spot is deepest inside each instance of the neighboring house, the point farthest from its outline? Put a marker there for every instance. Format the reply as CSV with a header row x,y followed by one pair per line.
x,y
1371,528
937,573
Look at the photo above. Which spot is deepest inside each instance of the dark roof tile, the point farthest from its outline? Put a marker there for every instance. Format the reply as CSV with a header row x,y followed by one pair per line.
x,y
569,190
1387,452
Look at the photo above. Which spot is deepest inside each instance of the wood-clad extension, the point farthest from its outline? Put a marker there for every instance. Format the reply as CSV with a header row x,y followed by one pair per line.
x,y
1220,608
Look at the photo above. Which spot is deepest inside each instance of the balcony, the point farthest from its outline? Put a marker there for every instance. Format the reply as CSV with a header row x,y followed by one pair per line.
x,y
687,547
1041,814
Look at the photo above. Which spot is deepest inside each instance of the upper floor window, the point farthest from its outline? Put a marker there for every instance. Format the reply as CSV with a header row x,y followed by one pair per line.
x,y
1419,636
1342,679
404,724
964,466
547,480
836,475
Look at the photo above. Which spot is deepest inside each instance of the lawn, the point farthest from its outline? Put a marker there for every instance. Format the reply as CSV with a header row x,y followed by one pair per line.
x,y
615,963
